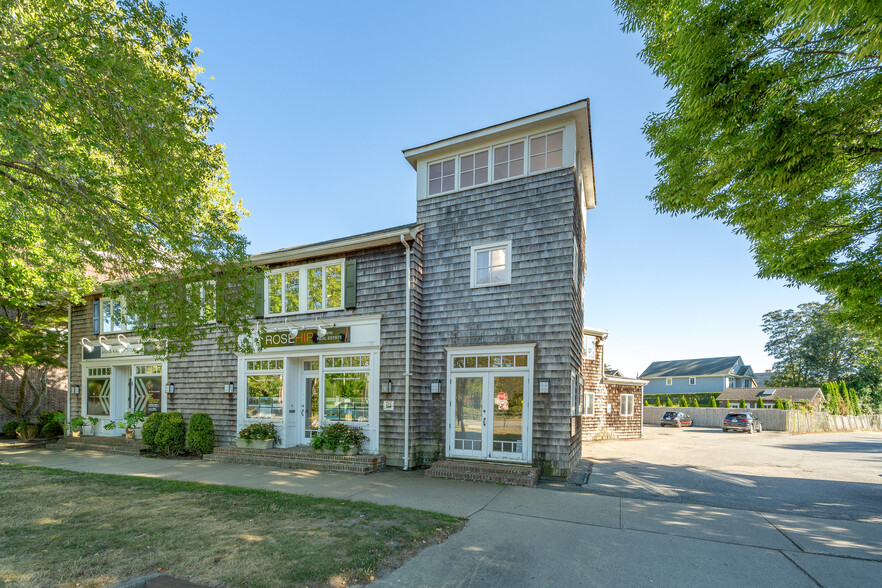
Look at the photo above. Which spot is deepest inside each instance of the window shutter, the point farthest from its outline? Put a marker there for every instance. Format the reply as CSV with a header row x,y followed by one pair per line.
x,y
96,317
258,298
349,286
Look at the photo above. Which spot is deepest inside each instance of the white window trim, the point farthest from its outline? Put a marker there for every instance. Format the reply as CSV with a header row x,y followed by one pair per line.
x,y
303,271
589,347
491,161
545,134
473,269
691,380
261,372
125,327
589,406
669,381
202,300
624,405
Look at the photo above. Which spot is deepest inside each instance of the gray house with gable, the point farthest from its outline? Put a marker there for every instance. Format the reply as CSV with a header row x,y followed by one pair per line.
x,y
707,374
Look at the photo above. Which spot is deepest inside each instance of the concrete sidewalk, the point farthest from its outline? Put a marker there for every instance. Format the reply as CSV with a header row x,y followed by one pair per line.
x,y
542,537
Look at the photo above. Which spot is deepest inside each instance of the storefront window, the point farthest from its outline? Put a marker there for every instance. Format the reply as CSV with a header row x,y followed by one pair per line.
x,y
264,389
346,388
148,388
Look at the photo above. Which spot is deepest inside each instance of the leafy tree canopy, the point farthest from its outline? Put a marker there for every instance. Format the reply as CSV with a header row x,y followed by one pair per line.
x,y
811,348
107,173
774,128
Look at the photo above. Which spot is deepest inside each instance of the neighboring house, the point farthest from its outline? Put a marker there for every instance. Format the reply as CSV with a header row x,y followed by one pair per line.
x,y
459,335
812,396
762,378
612,405
708,374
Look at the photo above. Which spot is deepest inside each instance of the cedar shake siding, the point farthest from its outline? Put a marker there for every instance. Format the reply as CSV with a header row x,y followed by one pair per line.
x,y
538,215
200,376
601,424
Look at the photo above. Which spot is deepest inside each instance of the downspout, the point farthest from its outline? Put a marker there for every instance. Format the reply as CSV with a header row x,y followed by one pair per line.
x,y
68,363
407,356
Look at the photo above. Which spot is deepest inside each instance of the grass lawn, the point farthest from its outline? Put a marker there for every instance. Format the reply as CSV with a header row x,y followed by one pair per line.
x,y
60,528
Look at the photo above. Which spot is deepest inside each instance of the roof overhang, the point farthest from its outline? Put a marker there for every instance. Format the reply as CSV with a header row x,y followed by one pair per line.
x,y
595,332
623,381
376,239
579,111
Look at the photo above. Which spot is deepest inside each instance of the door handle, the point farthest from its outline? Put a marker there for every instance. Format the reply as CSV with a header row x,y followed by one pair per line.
x,y
485,421
302,412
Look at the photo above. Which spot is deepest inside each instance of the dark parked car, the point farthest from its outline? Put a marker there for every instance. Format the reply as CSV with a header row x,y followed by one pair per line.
x,y
676,419
742,421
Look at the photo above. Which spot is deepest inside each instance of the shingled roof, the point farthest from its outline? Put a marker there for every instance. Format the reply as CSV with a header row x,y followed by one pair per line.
x,y
705,366
770,394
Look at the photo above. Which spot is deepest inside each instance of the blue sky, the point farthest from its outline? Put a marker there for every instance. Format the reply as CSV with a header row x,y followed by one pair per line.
x,y
316,102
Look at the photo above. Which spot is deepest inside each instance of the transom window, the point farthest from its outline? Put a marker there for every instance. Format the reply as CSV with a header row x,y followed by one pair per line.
x,y
305,289
490,361
546,151
474,169
143,370
348,361
442,176
105,371
508,161
491,264
264,365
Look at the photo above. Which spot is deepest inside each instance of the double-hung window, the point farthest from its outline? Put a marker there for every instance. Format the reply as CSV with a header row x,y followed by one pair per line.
x,y
626,405
589,403
669,381
113,317
203,295
305,289
589,351
691,381
508,161
491,264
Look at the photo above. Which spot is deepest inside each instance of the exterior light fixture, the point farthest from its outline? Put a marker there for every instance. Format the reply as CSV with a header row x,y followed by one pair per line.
x,y
169,388
103,341
386,387
123,341
321,332
230,389
544,384
292,329
435,387
87,345
75,389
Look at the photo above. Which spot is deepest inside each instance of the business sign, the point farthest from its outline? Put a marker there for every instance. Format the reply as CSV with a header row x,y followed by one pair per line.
x,y
305,337
113,350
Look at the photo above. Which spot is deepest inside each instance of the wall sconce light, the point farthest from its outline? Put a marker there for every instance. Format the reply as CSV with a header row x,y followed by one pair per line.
x,y
435,387
122,341
103,341
321,332
230,389
544,384
74,389
87,345
386,387
169,388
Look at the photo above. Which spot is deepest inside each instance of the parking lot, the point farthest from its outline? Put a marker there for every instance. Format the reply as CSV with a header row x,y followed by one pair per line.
x,y
834,475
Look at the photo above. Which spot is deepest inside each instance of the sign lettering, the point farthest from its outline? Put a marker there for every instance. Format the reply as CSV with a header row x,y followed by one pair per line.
x,y
305,337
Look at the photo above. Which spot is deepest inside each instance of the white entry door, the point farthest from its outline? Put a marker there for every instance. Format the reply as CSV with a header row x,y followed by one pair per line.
x,y
488,415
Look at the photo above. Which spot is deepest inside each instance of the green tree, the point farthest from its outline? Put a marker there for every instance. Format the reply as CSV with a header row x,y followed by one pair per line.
x,y
713,402
760,403
779,404
810,347
742,404
668,401
831,393
727,405
773,129
106,171
695,402
683,401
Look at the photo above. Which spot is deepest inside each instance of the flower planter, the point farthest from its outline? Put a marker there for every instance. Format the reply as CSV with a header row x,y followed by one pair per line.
x,y
75,433
130,433
255,443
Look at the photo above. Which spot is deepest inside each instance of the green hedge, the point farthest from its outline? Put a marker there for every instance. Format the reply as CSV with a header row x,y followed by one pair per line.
x,y
171,437
702,398
151,426
200,434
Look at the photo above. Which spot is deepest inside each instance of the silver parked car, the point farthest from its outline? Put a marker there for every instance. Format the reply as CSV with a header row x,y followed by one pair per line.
x,y
742,421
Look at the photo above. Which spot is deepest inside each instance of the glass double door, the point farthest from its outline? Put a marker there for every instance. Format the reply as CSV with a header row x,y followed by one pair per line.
x,y
486,416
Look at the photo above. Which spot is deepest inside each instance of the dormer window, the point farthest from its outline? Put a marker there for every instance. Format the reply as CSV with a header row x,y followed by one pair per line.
x,y
508,161
442,176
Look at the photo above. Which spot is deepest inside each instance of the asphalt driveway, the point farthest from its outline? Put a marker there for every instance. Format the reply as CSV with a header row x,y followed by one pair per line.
x,y
831,475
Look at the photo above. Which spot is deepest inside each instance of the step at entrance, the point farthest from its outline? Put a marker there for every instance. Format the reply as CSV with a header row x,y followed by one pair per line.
x,y
119,445
479,471
299,459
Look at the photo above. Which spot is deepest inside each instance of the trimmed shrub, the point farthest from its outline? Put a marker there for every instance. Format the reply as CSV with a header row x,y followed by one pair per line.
x,y
742,404
171,437
713,402
151,426
760,403
683,401
47,416
668,402
200,434
728,405
10,427
51,430
695,402
27,431
779,403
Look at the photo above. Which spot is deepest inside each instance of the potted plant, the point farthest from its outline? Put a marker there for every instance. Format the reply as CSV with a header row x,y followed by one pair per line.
x,y
258,436
110,426
93,423
339,438
130,423
76,425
